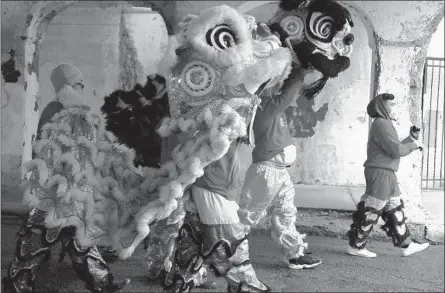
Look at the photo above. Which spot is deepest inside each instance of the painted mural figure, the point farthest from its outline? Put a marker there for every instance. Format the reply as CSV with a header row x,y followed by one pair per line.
x,y
35,237
382,195
319,34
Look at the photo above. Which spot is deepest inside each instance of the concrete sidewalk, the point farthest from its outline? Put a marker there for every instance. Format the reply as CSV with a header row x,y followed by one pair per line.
x,y
327,211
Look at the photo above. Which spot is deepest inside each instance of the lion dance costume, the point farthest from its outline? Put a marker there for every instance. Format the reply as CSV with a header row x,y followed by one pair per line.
x,y
83,178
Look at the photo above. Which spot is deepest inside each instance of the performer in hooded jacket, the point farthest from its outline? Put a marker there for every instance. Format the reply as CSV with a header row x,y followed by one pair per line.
x,y
382,195
35,240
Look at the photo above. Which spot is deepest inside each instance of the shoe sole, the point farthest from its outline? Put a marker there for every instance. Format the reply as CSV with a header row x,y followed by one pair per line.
x,y
304,266
362,255
415,251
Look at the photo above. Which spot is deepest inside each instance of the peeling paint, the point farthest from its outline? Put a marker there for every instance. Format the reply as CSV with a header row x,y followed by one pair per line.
x,y
28,20
36,106
51,15
34,65
302,118
25,86
377,66
361,119
33,137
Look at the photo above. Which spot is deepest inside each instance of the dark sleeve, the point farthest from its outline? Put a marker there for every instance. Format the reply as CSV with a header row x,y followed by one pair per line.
x,y
385,135
289,93
48,113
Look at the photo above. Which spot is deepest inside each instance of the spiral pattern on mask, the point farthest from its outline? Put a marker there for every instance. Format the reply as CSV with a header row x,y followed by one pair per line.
x,y
198,78
221,37
320,26
293,25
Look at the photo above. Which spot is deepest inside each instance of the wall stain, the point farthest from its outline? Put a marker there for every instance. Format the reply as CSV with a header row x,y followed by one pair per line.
x,y
28,19
361,119
302,118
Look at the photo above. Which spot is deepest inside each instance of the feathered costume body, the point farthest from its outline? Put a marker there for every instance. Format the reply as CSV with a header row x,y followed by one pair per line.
x,y
82,177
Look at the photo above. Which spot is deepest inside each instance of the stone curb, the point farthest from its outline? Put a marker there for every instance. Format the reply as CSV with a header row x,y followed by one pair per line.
x,y
312,223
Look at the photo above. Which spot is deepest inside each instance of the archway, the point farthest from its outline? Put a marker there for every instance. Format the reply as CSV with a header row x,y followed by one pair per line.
x,y
321,128
37,21
118,60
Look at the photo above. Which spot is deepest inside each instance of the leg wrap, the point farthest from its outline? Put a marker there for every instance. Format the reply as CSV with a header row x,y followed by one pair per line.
x,y
160,247
92,269
363,223
32,249
395,225
187,266
242,277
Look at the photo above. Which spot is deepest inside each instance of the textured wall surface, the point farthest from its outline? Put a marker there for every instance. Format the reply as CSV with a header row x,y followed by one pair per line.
x,y
391,39
91,36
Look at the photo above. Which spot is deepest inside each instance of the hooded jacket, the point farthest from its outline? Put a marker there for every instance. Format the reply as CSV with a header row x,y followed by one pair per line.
x,y
384,147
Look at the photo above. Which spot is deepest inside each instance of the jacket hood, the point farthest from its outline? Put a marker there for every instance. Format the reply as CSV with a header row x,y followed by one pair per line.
x,y
376,108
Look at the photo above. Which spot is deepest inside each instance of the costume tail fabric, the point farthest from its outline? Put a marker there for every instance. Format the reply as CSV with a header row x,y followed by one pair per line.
x,y
81,177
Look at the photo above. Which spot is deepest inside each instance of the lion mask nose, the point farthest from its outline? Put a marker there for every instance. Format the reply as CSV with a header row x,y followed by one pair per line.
x,y
349,39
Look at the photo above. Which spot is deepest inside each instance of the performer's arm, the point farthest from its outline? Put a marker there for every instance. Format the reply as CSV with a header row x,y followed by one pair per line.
x,y
289,92
387,138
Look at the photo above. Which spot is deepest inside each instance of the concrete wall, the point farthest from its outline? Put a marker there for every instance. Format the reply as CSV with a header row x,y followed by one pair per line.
x,y
398,34
89,35
332,142
321,127
86,36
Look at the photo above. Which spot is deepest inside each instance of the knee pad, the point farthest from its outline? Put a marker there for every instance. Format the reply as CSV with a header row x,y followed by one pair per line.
x,y
363,223
395,225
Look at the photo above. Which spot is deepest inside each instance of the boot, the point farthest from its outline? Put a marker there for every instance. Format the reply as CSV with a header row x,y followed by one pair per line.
x,y
93,270
32,250
363,223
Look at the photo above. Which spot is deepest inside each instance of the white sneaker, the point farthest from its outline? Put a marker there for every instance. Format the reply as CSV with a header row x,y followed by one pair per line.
x,y
361,252
414,247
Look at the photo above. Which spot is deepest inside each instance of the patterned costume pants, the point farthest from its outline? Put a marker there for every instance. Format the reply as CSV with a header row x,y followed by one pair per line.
x,y
33,249
212,233
267,201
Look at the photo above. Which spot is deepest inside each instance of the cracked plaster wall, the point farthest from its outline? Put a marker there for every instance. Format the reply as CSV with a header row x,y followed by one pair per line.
x,y
88,35
398,32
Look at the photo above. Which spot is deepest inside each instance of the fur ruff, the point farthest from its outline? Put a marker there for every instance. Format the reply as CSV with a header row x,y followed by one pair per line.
x,y
196,155
277,65
208,19
68,97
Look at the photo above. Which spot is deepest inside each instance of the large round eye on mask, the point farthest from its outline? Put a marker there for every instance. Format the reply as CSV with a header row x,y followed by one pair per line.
x,y
293,26
221,37
320,27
